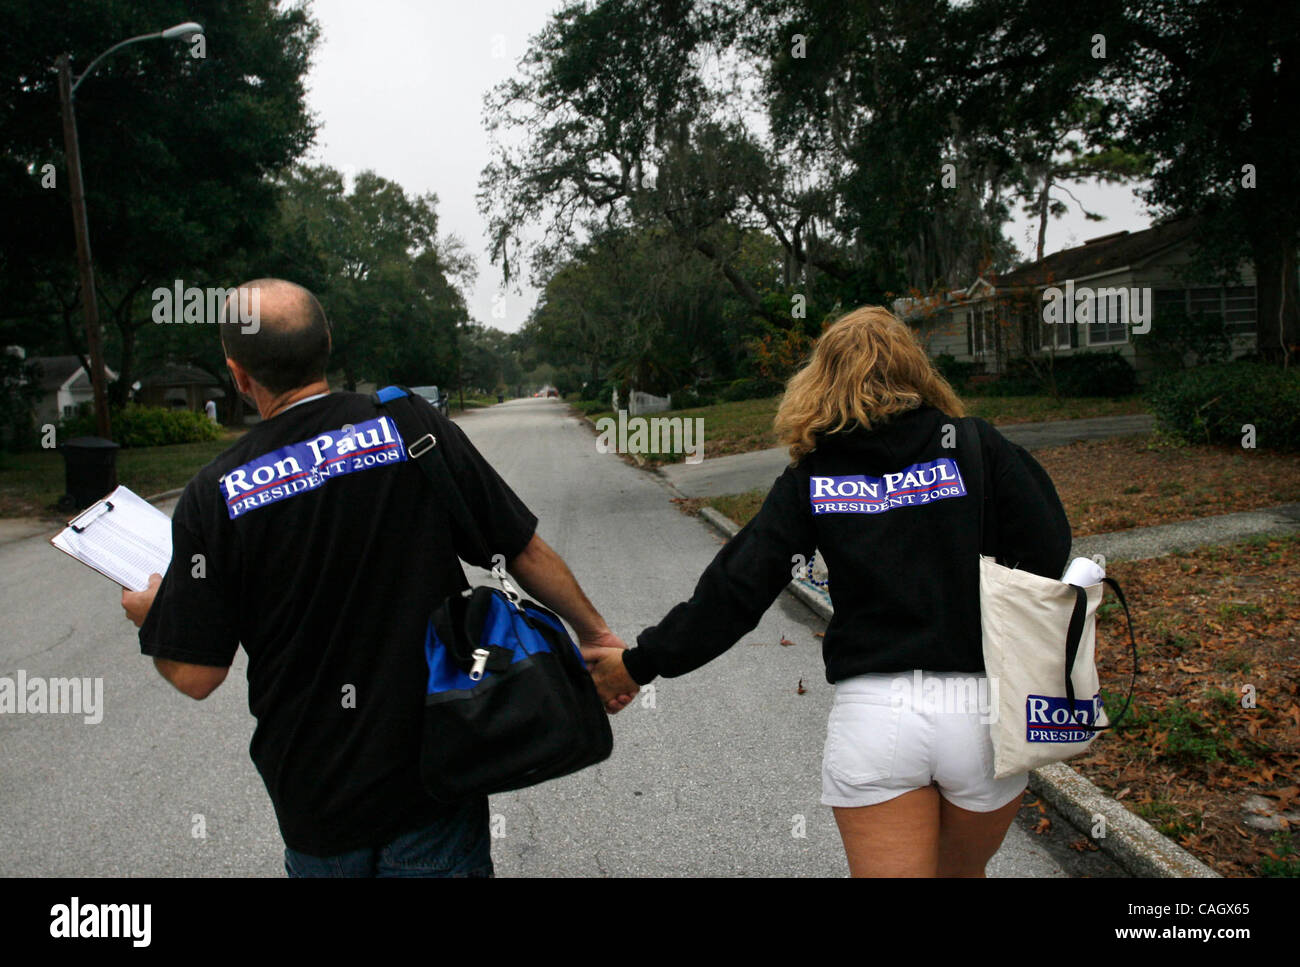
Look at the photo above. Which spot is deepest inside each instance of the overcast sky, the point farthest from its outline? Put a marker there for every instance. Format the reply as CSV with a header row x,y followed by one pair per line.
x,y
397,86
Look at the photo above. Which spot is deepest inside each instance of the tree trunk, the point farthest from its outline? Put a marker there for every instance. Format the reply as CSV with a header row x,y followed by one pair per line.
x,y
1277,304
118,389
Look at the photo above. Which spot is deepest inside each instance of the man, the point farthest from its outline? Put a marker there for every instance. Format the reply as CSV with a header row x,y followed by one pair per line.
x,y
326,574
210,408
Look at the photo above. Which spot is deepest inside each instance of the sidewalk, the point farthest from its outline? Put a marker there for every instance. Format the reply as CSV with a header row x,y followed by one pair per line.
x,y
739,472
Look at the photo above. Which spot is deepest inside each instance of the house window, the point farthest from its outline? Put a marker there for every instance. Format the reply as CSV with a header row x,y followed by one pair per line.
x,y
1058,335
68,409
982,336
1109,323
1234,304
1239,312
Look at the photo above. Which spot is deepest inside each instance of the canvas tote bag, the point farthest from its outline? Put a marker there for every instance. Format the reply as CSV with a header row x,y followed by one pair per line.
x,y
1040,649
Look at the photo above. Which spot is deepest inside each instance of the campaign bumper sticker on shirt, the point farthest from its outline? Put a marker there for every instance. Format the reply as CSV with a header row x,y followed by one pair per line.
x,y
921,483
302,467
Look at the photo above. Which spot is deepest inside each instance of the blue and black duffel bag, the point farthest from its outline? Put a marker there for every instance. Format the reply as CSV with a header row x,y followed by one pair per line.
x,y
509,701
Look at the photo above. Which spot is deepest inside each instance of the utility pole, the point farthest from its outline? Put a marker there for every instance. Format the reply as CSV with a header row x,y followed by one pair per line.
x,y
80,225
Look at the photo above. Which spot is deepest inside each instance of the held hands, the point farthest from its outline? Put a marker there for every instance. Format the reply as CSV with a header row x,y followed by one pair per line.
x,y
136,604
604,656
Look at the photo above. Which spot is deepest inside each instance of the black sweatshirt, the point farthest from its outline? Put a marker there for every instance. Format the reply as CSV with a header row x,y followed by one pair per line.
x,y
896,517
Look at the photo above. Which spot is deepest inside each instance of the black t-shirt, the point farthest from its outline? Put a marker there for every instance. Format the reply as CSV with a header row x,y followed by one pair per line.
x,y
321,548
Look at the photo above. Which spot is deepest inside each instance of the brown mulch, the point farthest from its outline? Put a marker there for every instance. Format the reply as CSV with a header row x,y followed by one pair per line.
x,y
1214,627
1111,485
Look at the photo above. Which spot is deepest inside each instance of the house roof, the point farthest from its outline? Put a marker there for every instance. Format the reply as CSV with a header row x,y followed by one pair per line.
x,y
179,374
55,370
1102,254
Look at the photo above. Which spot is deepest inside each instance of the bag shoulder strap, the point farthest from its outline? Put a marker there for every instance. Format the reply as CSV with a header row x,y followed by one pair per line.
x,y
969,435
422,447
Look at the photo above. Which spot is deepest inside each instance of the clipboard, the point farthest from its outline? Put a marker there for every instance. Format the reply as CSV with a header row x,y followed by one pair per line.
x,y
123,537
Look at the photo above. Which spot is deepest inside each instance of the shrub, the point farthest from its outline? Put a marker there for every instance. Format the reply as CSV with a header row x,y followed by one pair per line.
x,y
956,372
689,399
145,426
1080,374
1175,336
1212,404
1095,374
750,389
1017,380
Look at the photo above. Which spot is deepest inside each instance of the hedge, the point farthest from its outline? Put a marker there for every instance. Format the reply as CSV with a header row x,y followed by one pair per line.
x,y
1217,404
145,426
750,389
1079,374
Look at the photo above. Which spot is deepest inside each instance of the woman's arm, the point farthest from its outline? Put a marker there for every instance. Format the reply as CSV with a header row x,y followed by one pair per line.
x,y
1032,531
729,599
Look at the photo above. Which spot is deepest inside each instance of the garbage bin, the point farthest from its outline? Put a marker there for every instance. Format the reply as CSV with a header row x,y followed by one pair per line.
x,y
90,470
500,398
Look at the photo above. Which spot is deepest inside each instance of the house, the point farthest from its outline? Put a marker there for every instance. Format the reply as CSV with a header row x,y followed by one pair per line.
x,y
1110,289
64,384
178,386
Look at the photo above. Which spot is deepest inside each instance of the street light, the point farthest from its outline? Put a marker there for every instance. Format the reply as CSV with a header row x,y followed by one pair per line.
x,y
80,225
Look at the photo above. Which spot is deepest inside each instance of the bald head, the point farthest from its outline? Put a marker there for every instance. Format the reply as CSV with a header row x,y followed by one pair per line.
x,y
277,331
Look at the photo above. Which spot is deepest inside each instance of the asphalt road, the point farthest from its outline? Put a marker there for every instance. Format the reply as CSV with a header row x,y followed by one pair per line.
x,y
716,773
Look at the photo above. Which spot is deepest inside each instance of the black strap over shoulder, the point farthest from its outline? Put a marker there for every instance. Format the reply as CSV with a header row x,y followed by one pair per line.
x,y
968,439
422,447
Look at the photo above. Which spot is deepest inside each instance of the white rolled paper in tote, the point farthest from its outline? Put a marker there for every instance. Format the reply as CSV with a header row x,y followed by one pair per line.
x,y
1083,572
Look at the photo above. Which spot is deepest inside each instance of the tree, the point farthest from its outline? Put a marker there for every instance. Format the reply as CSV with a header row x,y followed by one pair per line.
x,y
178,152
1209,91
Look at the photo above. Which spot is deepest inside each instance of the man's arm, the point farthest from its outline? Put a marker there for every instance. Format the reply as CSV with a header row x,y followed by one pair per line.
x,y
196,681
546,577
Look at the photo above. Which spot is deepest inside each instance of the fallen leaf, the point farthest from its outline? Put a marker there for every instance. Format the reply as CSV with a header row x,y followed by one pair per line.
x,y
1042,826
786,641
800,690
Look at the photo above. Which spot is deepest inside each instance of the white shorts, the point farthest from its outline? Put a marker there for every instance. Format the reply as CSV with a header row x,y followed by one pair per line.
x,y
893,732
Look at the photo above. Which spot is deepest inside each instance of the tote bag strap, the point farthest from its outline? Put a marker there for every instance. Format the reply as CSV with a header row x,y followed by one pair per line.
x,y
1075,635
969,434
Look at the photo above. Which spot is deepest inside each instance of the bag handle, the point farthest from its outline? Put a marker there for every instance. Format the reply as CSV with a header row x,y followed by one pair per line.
x,y
975,446
1074,636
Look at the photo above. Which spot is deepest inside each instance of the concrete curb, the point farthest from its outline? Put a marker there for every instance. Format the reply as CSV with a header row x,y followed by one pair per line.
x,y
165,495
1129,840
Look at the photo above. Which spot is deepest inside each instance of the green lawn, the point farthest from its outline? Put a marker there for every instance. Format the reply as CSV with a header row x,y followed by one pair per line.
x,y
747,425
30,483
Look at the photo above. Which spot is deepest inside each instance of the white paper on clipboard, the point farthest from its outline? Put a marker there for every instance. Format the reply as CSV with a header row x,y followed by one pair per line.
x,y
123,537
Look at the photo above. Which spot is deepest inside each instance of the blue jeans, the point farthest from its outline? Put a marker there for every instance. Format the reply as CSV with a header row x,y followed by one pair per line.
x,y
458,844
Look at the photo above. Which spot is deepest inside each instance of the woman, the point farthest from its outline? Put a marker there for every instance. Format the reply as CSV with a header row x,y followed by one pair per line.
x,y
879,483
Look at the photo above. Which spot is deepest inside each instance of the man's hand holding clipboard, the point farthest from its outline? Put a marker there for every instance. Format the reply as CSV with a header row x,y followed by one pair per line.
x,y
136,604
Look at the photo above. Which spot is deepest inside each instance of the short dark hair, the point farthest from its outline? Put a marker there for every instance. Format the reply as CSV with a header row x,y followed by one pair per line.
x,y
290,345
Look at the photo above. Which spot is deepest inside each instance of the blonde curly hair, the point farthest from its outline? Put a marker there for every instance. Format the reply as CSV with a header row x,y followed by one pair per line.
x,y
866,367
